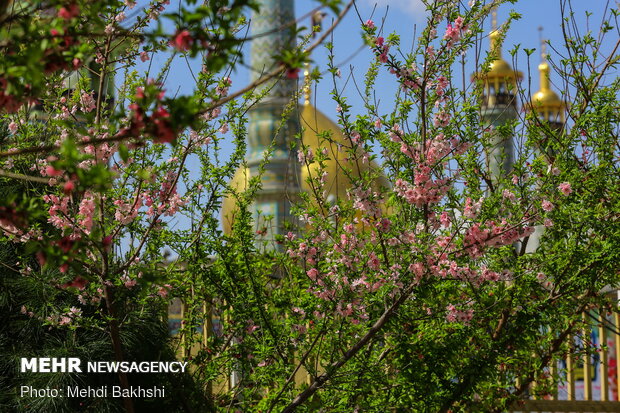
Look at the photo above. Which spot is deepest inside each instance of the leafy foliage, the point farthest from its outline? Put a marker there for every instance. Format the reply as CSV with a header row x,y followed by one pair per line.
x,y
421,289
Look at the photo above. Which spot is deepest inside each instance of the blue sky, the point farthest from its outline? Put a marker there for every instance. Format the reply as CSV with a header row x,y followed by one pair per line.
x,y
405,17
402,17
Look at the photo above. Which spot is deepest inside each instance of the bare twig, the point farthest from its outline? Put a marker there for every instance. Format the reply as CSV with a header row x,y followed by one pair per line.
x,y
23,177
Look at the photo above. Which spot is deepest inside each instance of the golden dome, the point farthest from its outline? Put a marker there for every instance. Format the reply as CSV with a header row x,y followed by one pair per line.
x,y
501,77
546,103
499,67
239,182
545,97
314,123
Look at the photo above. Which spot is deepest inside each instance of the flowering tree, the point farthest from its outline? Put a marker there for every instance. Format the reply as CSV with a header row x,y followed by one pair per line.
x,y
424,294
97,173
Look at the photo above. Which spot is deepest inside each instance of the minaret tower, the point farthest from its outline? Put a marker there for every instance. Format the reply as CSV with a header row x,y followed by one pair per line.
x,y
283,177
499,105
272,32
549,108
546,104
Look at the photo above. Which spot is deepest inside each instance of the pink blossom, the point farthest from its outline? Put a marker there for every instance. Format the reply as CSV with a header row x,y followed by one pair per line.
x,y
454,31
68,187
312,273
127,211
373,261
458,23
301,156
13,127
492,234
445,219
355,137
164,132
451,34
75,312
78,282
163,291
58,211
128,282
68,12
424,189
223,90
384,224
88,102
442,84
144,56
182,41
106,242
547,206
86,210
509,195
565,188
472,209
51,171
441,119
369,24
458,316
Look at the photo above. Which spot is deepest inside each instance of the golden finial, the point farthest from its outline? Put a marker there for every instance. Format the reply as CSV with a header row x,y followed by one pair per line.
x,y
307,83
543,67
494,33
500,77
546,102
543,44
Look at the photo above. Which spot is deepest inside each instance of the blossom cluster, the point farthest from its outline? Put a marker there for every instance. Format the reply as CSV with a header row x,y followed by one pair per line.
x,y
454,31
158,124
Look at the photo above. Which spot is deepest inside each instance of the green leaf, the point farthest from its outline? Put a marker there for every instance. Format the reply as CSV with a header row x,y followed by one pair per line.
x,y
123,152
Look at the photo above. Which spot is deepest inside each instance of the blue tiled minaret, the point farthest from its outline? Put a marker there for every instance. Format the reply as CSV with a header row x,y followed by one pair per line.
x,y
499,106
272,33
